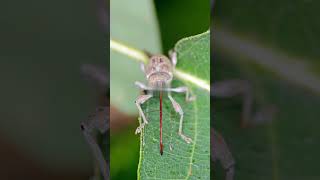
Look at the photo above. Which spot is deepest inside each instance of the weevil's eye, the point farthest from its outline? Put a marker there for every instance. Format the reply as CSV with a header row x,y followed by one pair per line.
x,y
161,60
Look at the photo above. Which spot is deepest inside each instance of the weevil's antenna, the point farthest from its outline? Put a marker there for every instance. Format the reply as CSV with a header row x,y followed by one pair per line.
x,y
149,54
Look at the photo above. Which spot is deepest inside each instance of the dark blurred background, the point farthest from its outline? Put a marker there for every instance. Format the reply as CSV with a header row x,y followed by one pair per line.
x,y
43,95
274,45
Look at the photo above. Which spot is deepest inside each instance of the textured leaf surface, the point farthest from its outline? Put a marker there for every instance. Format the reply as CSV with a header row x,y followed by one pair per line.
x,y
182,160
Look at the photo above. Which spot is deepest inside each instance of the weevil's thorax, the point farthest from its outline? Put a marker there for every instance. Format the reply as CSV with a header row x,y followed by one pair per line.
x,y
159,71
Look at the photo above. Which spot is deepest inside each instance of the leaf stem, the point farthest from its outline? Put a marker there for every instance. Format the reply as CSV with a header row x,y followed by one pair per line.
x,y
129,51
143,57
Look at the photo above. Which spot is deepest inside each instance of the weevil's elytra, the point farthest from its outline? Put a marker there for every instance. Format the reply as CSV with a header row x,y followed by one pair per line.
x,y
159,74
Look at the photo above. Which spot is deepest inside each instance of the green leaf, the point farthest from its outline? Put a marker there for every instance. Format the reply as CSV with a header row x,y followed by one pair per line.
x,y
182,160
133,23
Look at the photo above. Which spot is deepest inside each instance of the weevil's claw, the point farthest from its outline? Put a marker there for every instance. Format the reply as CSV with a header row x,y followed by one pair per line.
x,y
186,139
139,129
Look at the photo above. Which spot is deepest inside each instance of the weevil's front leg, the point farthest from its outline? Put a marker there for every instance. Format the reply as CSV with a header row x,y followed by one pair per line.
x,y
142,86
179,110
182,89
139,101
220,152
97,120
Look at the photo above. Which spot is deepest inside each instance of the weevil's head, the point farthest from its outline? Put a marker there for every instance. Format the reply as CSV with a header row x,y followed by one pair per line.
x,y
159,71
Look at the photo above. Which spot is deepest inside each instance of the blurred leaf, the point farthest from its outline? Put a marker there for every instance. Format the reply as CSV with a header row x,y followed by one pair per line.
x,y
291,26
43,96
288,31
124,154
184,161
133,23
174,22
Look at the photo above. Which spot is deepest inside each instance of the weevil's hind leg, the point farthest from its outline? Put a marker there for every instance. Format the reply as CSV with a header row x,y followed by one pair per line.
x,y
183,89
179,110
220,152
87,128
139,101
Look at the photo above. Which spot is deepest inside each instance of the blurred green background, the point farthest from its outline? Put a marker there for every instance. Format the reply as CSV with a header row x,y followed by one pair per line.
x,y
173,20
288,31
43,95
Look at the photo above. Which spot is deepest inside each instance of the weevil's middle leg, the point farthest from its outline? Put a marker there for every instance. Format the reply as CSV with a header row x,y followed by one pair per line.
x,y
179,110
139,101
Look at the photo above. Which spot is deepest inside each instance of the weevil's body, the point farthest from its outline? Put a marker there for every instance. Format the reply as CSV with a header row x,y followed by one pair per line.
x,y
159,74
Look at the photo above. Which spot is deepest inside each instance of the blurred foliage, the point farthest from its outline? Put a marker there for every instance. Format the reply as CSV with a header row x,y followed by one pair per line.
x,y
43,96
286,148
180,18
124,154
291,26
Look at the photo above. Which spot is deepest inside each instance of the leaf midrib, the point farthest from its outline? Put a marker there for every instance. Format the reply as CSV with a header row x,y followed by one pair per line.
x,y
195,136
